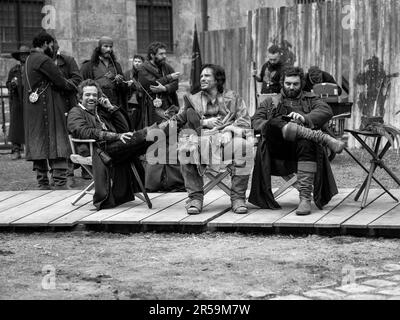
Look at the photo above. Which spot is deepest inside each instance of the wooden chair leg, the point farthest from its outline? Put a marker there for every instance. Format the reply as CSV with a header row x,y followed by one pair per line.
x,y
139,181
220,184
83,193
287,185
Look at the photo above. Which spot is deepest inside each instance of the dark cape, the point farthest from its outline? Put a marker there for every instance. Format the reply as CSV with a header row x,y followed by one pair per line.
x,y
261,189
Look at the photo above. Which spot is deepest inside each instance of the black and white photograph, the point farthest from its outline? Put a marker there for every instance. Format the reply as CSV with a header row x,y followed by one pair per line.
x,y
199,158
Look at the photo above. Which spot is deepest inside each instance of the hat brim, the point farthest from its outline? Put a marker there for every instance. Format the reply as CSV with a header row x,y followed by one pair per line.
x,y
17,55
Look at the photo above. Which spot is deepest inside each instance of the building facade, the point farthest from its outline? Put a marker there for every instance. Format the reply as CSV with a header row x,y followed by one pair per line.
x,y
78,24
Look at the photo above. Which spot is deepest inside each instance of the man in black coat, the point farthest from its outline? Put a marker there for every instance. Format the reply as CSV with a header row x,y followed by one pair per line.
x,y
316,76
135,93
96,118
160,102
291,141
104,68
14,84
160,82
46,134
70,70
271,72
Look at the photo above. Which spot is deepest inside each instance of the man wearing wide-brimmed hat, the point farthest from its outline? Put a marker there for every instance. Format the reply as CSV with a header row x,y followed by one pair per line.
x,y
16,132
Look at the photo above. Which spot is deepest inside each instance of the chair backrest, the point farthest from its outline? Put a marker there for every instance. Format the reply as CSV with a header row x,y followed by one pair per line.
x,y
77,158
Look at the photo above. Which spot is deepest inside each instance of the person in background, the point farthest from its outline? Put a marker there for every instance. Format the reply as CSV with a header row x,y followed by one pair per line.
x,y
160,84
271,72
316,76
14,84
104,68
135,93
70,70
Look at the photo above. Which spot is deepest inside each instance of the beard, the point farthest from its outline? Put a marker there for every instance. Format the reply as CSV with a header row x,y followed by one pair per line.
x,y
291,93
49,52
159,62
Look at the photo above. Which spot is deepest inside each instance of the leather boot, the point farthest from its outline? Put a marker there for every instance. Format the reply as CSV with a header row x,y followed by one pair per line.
x,y
305,182
238,194
43,180
293,131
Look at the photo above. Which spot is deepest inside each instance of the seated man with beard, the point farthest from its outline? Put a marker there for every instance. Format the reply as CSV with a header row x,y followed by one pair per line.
x,y
292,141
96,118
216,120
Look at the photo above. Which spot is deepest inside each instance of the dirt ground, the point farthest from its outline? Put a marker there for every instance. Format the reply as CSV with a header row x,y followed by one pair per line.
x,y
91,265
176,266
18,175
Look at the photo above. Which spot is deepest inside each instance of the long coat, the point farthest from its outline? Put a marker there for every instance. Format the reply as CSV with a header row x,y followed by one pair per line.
x,y
46,133
70,70
317,114
16,132
148,75
87,72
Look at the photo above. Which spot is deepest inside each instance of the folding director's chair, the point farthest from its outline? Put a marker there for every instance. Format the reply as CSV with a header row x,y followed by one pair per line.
x,y
86,163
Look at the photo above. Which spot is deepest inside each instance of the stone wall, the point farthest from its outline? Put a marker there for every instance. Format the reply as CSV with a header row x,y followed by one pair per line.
x,y
80,23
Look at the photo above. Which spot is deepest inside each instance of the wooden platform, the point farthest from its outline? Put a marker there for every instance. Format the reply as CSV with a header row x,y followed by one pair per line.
x,y
52,210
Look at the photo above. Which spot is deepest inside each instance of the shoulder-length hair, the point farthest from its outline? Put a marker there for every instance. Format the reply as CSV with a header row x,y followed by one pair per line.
x,y
219,75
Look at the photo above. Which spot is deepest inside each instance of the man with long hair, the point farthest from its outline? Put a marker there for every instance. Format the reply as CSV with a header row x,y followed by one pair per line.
x,y
104,68
217,117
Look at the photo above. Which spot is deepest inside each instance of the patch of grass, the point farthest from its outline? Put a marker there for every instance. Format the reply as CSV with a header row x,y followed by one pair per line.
x,y
19,176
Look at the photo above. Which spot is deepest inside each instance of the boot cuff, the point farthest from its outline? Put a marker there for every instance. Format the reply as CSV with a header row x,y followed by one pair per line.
x,y
307,166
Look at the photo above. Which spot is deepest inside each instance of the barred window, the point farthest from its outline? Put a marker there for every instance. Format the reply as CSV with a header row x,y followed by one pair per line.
x,y
20,21
154,23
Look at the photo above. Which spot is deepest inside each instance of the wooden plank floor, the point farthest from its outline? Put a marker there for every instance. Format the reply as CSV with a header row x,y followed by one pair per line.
x,y
33,209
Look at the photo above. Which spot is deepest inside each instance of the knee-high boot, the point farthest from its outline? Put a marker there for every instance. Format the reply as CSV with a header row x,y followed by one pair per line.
x,y
305,181
293,131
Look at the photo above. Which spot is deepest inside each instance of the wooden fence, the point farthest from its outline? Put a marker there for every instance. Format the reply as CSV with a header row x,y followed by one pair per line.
x,y
228,49
355,39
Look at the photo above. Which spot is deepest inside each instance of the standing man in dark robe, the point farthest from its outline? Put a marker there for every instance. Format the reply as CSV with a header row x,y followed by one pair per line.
x,y
160,102
271,72
292,141
46,134
135,93
104,68
16,132
70,70
160,83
